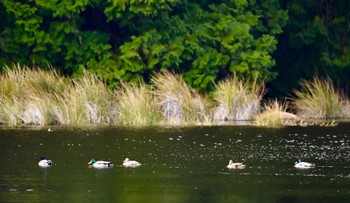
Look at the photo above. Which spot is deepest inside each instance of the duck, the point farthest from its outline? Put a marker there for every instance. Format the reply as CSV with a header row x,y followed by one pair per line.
x,y
100,164
303,165
44,163
232,165
131,163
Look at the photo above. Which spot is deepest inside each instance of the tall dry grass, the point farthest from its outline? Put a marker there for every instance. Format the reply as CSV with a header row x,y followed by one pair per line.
x,y
180,104
345,109
40,97
137,105
237,99
92,102
318,99
20,91
275,114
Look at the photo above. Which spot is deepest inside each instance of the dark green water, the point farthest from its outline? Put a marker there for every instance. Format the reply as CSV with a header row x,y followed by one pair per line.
x,y
179,164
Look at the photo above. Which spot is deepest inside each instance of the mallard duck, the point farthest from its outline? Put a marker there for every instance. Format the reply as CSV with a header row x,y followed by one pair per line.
x,y
303,165
130,163
232,165
100,164
44,162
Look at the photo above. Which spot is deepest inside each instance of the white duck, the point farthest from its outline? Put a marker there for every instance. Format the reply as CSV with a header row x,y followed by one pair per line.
x,y
100,164
44,163
303,165
131,163
232,165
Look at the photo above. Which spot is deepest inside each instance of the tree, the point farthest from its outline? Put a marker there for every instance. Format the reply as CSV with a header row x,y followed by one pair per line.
x,y
315,42
206,41
49,33
129,40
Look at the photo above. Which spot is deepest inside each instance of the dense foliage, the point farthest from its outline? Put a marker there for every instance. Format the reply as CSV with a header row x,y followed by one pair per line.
x,y
205,40
316,41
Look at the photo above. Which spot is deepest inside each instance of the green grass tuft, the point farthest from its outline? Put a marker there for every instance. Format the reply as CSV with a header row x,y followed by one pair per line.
x,y
275,115
318,99
137,105
180,104
40,97
237,100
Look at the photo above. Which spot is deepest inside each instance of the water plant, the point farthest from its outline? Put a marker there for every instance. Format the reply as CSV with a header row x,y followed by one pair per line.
x,y
237,99
137,105
274,114
179,103
318,99
98,102
345,108
42,97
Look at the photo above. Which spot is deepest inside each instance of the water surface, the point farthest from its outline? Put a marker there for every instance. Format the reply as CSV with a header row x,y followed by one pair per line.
x,y
179,164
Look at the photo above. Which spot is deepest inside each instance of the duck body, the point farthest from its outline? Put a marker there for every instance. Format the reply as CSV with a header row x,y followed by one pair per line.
x,y
303,165
232,165
44,163
131,163
100,164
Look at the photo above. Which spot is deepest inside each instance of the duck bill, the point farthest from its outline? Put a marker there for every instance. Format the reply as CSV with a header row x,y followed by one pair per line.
x,y
90,163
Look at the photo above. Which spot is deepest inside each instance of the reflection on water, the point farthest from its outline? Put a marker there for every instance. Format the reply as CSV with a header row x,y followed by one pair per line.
x,y
178,164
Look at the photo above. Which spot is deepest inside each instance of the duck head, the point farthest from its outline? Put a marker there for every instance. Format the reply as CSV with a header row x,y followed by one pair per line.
x,y
42,157
92,161
126,160
298,161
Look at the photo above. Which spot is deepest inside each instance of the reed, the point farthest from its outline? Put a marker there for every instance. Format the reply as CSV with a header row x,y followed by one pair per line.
x,y
39,97
13,94
13,83
237,99
136,105
318,99
25,92
180,104
345,109
274,115
10,111
98,102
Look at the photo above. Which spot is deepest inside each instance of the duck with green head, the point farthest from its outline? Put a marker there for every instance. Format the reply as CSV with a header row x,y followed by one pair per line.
x,y
303,165
100,164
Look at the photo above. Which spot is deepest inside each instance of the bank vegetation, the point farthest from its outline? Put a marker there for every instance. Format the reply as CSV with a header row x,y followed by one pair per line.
x,y
44,97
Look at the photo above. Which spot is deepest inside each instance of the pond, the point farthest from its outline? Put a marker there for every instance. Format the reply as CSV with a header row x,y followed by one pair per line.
x,y
178,164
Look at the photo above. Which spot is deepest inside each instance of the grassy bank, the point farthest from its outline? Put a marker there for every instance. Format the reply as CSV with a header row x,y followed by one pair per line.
x,y
38,97
319,99
237,100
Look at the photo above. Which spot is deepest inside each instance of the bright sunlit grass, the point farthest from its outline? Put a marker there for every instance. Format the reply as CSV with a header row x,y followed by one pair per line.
x,y
180,104
41,97
44,97
318,99
237,100
137,105
275,115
